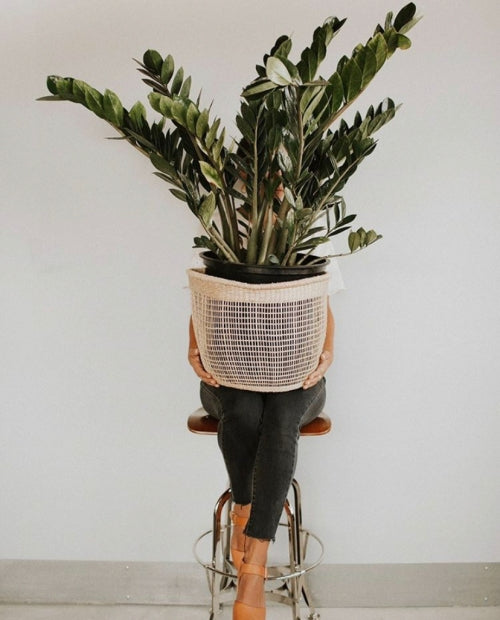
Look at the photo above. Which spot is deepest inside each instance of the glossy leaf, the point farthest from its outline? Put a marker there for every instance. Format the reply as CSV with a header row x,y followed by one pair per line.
x,y
185,88
210,174
112,107
78,89
177,81
167,69
367,62
219,145
277,72
93,100
179,194
336,92
258,87
161,164
207,209
404,42
354,241
202,124
212,133
137,114
405,16
286,142
351,80
378,46
192,115
153,60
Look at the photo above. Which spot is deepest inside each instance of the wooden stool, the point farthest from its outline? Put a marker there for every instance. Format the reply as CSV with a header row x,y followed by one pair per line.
x,y
220,572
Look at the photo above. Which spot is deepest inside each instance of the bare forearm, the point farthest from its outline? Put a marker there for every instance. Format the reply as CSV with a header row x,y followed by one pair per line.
x,y
326,357
330,331
195,359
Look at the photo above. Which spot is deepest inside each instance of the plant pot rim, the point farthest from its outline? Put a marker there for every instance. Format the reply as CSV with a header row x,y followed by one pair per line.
x,y
258,274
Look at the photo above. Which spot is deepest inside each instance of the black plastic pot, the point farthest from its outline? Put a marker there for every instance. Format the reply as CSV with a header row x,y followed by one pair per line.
x,y
262,274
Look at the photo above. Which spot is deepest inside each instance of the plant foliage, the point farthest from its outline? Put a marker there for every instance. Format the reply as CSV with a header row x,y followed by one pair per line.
x,y
274,197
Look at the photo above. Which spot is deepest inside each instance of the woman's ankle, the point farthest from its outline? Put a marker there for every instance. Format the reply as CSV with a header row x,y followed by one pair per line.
x,y
256,551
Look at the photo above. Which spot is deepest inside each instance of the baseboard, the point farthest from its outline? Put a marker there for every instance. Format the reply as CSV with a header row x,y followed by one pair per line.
x,y
333,585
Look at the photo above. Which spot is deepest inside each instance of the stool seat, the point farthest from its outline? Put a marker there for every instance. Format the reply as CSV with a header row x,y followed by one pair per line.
x,y
201,423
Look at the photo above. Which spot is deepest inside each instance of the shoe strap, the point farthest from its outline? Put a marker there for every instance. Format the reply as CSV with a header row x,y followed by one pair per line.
x,y
237,519
253,569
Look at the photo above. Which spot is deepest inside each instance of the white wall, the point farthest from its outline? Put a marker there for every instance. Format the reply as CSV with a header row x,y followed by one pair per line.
x,y
96,463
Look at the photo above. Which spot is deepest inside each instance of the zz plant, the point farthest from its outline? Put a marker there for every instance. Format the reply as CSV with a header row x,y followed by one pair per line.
x,y
273,196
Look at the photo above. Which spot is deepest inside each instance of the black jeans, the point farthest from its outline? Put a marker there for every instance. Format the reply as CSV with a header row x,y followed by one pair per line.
x,y
258,435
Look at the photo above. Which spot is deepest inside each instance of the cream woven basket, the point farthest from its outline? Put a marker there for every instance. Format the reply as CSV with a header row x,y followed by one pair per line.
x,y
259,337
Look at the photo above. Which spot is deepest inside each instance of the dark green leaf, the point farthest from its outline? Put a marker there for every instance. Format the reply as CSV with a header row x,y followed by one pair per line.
x,y
258,87
186,87
179,194
246,130
93,100
336,92
50,98
371,237
379,47
212,133
202,124
337,231
367,62
192,116
78,88
177,81
153,60
113,109
167,69
161,164
179,112
346,220
405,15
351,79
404,42
354,241
154,101
217,149
207,209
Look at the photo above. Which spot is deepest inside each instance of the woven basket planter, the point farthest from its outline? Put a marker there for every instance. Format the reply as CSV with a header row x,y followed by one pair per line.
x,y
259,337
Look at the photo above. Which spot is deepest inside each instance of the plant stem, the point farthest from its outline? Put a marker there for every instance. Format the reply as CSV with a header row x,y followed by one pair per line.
x,y
264,246
254,227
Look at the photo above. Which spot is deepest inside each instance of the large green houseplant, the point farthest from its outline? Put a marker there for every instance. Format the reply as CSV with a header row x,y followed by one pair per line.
x,y
273,196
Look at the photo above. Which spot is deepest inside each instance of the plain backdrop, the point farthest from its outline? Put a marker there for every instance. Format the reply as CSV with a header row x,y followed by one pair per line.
x,y
96,462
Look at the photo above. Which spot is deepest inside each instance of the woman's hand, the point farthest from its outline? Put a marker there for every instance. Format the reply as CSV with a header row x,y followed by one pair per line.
x,y
194,358
326,357
325,360
195,361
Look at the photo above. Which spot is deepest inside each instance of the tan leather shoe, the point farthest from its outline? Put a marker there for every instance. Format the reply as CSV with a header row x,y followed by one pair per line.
x,y
241,610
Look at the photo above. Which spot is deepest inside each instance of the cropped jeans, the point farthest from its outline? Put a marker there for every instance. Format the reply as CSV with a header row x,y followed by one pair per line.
x,y
258,435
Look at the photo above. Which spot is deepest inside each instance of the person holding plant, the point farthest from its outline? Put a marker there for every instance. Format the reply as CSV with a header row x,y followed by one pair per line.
x,y
273,200
258,435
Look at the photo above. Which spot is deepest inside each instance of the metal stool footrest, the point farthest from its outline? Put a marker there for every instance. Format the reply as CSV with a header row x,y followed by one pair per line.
x,y
291,576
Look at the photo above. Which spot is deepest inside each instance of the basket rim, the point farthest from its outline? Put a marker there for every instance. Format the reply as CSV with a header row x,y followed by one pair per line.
x,y
199,274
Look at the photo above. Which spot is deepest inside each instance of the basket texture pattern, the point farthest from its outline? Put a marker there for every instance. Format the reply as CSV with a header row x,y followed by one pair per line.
x,y
259,337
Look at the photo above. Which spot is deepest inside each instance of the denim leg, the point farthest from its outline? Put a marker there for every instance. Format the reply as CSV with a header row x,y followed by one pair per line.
x,y
284,414
240,414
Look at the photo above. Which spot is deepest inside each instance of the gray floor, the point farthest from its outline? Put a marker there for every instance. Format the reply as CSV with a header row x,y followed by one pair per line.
x,y
143,612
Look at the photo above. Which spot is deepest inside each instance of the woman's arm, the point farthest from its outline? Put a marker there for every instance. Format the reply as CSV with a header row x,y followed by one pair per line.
x,y
326,357
195,359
